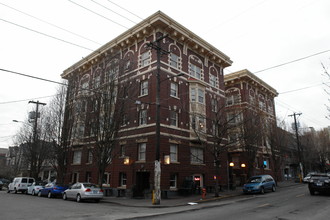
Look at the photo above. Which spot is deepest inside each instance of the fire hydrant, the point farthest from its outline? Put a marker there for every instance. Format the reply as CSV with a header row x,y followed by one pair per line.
x,y
203,193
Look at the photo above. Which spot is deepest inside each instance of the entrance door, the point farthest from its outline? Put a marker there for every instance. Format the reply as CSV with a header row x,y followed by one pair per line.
x,y
142,183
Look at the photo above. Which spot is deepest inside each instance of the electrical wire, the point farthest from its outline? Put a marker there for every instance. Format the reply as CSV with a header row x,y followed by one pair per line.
x,y
98,14
125,9
292,61
24,100
47,35
53,25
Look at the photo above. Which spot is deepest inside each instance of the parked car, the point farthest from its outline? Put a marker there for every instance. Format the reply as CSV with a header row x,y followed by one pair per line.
x,y
83,191
35,187
5,183
259,184
307,177
1,184
52,189
20,184
319,182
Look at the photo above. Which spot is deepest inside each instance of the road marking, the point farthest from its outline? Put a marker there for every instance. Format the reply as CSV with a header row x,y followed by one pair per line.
x,y
297,196
263,205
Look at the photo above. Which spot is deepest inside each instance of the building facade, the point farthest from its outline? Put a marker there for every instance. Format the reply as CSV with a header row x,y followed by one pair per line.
x,y
191,87
250,111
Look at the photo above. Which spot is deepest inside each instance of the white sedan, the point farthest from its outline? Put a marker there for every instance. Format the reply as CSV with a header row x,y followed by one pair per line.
x,y
35,188
83,191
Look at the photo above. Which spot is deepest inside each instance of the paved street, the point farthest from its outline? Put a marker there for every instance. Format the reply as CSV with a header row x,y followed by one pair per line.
x,y
292,202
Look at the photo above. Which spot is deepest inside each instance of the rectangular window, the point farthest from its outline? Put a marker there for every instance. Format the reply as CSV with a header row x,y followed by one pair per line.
x,y
233,118
143,117
213,80
122,179
174,153
90,156
195,71
145,59
88,177
173,118
144,88
196,155
201,96
142,151
173,181
76,157
122,150
174,60
193,94
214,105
75,177
174,89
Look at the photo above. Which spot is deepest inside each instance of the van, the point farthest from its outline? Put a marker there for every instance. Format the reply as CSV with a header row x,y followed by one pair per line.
x,y
20,184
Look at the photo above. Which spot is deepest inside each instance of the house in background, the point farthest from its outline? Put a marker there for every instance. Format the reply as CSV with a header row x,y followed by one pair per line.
x,y
250,110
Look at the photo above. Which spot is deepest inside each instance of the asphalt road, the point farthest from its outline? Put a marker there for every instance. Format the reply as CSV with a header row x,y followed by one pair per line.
x,y
286,203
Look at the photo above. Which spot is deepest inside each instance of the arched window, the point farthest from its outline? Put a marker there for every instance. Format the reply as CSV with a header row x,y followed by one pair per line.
x,y
174,57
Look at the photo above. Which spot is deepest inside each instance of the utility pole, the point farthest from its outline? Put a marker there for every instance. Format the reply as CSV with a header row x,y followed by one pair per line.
x,y
35,137
157,191
298,146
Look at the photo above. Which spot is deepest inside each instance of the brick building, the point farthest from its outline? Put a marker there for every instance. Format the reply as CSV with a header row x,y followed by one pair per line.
x,y
250,109
191,85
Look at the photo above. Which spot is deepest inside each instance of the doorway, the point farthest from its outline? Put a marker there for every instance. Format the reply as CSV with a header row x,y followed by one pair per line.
x,y
142,183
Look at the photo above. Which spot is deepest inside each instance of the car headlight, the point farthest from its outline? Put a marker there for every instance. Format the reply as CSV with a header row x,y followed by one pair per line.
x,y
327,181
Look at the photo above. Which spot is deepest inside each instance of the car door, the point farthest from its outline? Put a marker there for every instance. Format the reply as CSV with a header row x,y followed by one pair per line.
x,y
70,192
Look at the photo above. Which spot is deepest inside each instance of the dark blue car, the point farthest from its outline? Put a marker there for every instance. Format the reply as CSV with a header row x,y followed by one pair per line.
x,y
259,184
52,190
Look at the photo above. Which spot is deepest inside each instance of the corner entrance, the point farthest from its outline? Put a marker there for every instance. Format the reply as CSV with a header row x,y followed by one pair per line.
x,y
142,183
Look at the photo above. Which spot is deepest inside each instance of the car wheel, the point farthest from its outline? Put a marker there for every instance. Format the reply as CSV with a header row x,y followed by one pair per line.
x,y
49,195
26,192
64,196
78,198
39,193
312,192
8,191
33,192
273,188
262,190
15,191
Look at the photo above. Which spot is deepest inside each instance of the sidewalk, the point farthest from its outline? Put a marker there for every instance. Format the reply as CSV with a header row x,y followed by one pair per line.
x,y
175,201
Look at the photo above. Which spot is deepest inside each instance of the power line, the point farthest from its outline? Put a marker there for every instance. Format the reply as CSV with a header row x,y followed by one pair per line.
x,y
308,87
114,11
24,100
125,9
98,14
47,35
292,61
46,22
33,77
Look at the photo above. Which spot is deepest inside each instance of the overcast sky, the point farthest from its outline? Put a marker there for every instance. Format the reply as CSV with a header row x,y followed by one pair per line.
x,y
43,37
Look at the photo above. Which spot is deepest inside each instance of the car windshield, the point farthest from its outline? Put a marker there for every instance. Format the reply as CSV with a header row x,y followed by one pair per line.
x,y
90,185
254,180
319,177
40,183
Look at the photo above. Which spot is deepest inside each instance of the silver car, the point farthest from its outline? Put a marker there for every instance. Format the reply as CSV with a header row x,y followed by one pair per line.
x,y
35,188
83,191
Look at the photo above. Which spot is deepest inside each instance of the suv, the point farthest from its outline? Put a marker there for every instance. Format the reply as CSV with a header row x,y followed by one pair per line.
x,y
20,184
259,184
319,182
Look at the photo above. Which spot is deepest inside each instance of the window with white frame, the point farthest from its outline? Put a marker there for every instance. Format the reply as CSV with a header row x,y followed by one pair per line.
x,y
232,99
174,153
193,95
173,181
174,60
233,118
213,80
112,70
144,88
195,71
90,156
173,118
142,151
196,155
214,105
201,95
174,89
122,179
143,117
76,157
145,58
